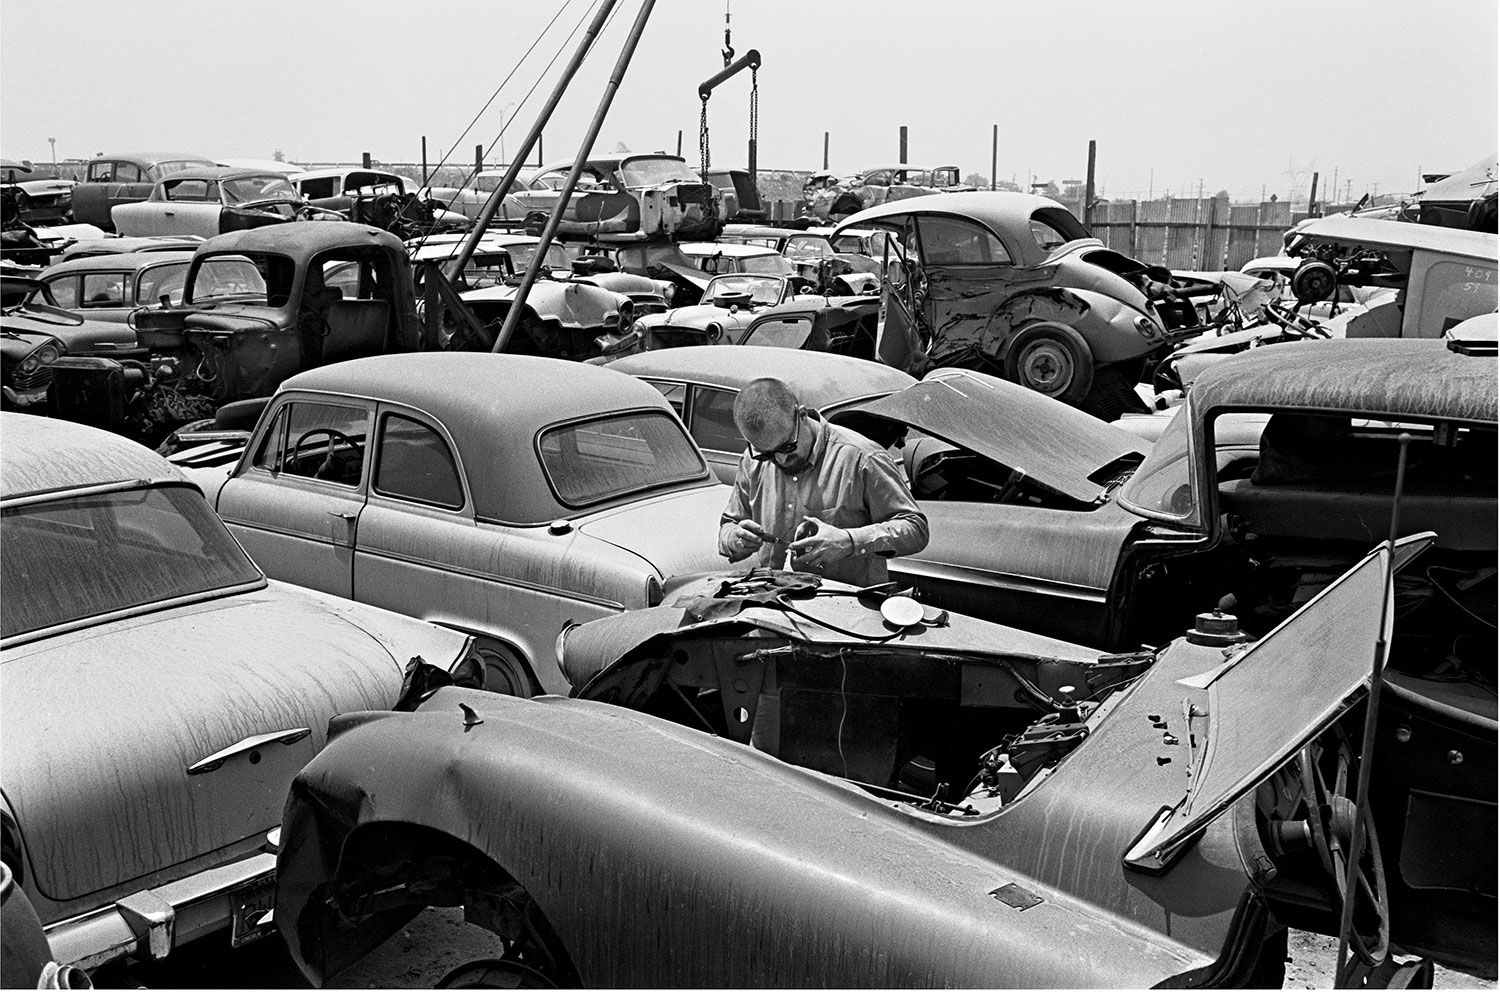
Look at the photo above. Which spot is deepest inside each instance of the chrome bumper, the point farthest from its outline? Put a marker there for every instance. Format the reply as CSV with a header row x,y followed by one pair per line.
x,y
157,920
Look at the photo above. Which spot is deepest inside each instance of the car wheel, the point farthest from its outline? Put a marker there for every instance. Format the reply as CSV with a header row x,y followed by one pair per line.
x,y
494,973
505,671
1052,359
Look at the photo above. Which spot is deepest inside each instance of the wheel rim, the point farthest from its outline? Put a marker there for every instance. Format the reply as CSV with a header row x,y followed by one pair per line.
x,y
1047,367
503,673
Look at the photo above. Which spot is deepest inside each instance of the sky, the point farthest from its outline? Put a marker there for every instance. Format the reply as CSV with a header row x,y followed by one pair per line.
x,y
1177,95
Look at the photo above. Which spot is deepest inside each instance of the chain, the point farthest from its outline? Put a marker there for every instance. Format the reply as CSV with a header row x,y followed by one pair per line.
x,y
703,139
754,121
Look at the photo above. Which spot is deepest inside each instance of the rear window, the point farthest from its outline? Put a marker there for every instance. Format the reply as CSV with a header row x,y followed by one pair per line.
x,y
597,460
78,557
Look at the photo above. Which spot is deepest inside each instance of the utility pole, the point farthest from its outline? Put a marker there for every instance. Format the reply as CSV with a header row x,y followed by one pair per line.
x,y
53,143
1334,186
424,160
679,142
903,144
1088,189
825,151
994,154
1312,197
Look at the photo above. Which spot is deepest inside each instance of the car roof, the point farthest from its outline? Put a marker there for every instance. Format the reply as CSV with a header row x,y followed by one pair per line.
x,y
820,379
114,262
493,406
120,246
1399,234
325,173
219,172
764,231
308,237
725,248
1393,378
909,167
152,158
43,455
1000,209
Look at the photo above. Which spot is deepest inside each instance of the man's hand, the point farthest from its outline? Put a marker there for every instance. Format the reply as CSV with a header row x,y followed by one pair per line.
x,y
746,539
820,543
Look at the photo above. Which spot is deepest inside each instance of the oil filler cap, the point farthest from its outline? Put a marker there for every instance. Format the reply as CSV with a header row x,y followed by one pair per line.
x,y
1217,629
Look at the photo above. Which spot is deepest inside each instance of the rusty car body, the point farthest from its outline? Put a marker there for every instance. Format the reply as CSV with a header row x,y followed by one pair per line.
x,y
469,200
729,305
830,199
1013,284
788,792
28,347
627,197
208,201
112,286
124,177
378,198
813,256
505,495
155,686
39,201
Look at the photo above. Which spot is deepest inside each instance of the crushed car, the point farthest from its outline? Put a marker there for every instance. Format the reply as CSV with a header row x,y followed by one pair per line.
x,y
205,688
210,201
878,799
124,177
505,495
816,261
1015,285
729,305
627,197
380,199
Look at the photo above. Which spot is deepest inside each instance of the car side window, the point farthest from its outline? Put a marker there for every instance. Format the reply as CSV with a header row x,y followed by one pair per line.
x,y
128,172
320,441
195,190
956,241
103,289
65,291
676,394
416,464
713,420
319,189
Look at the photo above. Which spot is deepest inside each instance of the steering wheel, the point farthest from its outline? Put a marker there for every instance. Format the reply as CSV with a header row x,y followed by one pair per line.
x,y
1294,323
334,437
1331,816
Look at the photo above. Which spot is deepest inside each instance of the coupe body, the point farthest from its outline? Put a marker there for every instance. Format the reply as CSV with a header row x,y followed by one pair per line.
x,y
210,201
505,495
155,686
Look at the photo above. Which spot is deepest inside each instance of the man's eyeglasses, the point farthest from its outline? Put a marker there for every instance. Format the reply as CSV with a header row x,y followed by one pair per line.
x,y
785,449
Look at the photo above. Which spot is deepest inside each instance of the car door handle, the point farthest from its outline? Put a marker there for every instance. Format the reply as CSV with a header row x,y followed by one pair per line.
x,y
214,761
343,515
169,213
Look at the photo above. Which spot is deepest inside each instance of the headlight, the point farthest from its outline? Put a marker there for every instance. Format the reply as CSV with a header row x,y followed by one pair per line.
x,y
30,363
48,353
669,292
712,331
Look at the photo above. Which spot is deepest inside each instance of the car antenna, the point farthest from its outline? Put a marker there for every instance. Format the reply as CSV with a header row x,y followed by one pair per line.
x,y
1344,975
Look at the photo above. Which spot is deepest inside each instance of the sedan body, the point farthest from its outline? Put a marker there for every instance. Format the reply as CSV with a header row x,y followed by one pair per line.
x,y
1013,284
505,495
1094,845
129,177
111,287
210,201
157,688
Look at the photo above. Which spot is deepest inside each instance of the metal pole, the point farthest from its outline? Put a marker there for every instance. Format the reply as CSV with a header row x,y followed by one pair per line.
x,y
538,260
679,142
424,160
533,136
903,144
994,155
825,151
364,159
1372,711
1312,197
1088,190
478,157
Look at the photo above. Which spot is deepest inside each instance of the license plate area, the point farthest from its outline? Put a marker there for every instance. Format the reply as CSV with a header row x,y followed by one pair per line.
x,y
252,904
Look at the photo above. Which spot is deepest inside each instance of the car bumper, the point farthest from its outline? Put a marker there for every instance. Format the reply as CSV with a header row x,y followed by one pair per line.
x,y
153,922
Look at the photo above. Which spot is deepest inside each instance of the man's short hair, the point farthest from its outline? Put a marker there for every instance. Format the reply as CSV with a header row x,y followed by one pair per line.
x,y
763,404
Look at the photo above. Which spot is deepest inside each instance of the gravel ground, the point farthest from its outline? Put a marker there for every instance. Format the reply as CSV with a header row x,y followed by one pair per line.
x,y
439,940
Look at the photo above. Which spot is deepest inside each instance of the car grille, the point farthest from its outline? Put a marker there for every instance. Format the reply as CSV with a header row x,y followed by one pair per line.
x,y
39,378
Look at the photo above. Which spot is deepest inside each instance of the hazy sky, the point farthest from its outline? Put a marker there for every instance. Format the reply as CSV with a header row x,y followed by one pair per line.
x,y
1242,96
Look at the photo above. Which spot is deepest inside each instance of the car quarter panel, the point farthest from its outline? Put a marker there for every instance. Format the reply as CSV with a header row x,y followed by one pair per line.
x,y
688,838
150,218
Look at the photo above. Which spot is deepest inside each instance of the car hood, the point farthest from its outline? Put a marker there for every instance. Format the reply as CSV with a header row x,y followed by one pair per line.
x,y
102,726
675,533
701,315
1055,444
571,304
81,336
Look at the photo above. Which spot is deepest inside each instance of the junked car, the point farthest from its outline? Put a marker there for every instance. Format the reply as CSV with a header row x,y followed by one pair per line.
x,y
730,304
1013,284
155,687
470,200
792,791
111,287
125,177
209,201
37,201
813,256
378,198
504,495
627,197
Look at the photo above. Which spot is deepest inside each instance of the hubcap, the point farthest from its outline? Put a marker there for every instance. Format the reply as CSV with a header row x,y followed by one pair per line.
x,y
1047,368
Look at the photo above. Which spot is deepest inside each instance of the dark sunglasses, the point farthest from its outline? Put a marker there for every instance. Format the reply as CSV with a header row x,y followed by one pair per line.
x,y
785,449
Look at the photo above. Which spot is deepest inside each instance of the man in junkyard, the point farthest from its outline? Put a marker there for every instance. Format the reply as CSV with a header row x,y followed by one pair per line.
x,y
828,497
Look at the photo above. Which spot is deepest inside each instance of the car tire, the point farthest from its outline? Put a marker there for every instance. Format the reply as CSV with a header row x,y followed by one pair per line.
x,y
505,671
1052,359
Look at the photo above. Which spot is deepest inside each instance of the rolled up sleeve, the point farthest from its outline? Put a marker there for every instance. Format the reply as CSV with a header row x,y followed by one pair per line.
x,y
898,526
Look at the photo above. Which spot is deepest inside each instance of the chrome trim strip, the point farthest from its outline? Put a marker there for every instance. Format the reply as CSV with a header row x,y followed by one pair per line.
x,y
133,611
213,762
998,580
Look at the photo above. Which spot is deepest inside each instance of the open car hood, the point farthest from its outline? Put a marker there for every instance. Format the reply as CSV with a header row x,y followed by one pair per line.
x,y
1319,661
1056,445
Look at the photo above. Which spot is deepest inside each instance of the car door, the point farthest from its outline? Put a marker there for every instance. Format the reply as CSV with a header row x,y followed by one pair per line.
x,y
105,295
294,501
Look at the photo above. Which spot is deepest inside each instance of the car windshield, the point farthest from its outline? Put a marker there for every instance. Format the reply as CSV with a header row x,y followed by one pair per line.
x,y
600,459
771,264
1163,488
223,276
522,254
763,290
1053,227
650,171
77,557
161,280
246,189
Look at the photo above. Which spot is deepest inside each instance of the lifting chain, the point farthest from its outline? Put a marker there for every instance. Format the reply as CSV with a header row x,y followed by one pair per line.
x,y
754,119
703,140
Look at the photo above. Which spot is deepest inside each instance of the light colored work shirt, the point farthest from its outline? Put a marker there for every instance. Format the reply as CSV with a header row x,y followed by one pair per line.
x,y
851,483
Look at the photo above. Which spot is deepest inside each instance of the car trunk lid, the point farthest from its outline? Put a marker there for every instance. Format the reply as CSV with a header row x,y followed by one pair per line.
x,y
675,533
164,738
